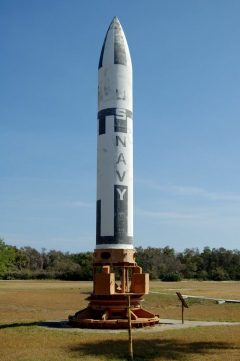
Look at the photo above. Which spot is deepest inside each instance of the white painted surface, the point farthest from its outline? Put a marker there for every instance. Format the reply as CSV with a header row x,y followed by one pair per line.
x,y
114,163
114,246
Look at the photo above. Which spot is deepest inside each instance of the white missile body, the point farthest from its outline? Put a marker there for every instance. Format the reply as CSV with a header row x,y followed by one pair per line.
x,y
115,145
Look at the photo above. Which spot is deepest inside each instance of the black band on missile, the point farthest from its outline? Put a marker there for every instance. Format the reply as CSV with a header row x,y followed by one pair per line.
x,y
120,123
112,240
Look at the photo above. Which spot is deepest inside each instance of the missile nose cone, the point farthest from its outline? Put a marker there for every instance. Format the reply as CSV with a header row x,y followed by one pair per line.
x,y
115,19
115,48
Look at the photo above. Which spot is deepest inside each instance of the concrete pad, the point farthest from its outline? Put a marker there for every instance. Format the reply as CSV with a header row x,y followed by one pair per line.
x,y
164,325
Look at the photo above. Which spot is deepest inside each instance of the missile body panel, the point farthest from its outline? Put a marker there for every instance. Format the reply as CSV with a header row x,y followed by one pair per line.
x,y
115,145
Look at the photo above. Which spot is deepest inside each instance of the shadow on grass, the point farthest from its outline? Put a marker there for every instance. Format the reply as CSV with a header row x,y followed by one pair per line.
x,y
48,324
18,324
151,349
54,324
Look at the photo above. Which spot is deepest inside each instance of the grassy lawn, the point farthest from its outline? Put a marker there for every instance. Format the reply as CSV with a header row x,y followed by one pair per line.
x,y
50,300
40,300
168,306
25,302
197,344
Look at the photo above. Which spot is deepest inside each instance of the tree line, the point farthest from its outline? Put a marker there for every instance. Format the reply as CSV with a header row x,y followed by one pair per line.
x,y
217,264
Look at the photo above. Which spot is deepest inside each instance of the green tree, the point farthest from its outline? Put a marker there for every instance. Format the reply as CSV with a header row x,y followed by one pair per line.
x,y
7,257
85,261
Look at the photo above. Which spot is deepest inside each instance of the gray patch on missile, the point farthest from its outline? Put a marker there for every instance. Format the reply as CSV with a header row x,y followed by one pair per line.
x,y
119,46
120,122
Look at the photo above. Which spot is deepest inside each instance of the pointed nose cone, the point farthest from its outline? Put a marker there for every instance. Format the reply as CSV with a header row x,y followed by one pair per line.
x,y
115,48
115,19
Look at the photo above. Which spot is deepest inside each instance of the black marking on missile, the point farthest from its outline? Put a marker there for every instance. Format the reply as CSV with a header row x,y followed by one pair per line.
x,y
121,159
101,125
122,141
102,51
120,125
119,46
101,55
121,177
98,219
120,219
112,240
120,95
120,119
120,212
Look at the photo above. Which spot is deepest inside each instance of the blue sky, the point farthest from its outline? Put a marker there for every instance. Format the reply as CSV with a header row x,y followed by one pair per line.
x,y
186,58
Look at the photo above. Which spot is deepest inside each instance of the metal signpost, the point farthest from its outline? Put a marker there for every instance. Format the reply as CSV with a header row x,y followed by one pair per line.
x,y
184,304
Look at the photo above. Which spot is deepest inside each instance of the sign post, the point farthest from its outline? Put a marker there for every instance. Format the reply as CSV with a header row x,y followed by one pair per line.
x,y
130,343
184,304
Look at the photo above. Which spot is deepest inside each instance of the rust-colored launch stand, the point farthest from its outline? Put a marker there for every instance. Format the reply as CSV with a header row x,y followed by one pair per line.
x,y
116,276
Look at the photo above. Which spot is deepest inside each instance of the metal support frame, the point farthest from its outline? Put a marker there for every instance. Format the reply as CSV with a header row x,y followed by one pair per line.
x,y
108,304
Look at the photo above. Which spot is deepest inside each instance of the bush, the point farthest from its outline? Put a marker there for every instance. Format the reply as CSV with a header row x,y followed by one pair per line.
x,y
17,275
171,277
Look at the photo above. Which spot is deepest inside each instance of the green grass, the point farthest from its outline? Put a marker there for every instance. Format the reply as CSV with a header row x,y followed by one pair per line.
x,y
196,344
22,303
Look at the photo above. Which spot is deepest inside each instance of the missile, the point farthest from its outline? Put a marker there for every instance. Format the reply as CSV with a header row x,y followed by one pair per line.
x,y
117,279
114,218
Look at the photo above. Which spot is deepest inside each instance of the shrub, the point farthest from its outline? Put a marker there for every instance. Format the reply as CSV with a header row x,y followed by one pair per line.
x,y
171,277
